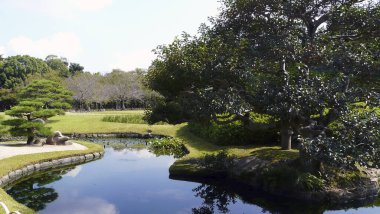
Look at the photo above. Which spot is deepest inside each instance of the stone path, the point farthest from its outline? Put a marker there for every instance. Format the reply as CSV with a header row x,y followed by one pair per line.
x,y
13,149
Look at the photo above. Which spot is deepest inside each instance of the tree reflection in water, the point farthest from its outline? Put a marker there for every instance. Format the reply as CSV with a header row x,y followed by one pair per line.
x,y
32,192
213,196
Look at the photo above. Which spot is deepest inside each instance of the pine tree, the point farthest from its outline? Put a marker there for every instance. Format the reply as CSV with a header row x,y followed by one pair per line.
x,y
39,101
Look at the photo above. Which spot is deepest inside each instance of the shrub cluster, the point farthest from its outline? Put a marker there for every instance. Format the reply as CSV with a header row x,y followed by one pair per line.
x,y
168,146
235,133
289,179
133,119
220,161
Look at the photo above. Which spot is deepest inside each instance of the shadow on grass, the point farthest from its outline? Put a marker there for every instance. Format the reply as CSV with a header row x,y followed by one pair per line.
x,y
275,154
195,141
202,145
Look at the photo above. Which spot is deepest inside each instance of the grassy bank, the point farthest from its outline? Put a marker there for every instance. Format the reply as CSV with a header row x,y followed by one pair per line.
x,y
16,162
92,122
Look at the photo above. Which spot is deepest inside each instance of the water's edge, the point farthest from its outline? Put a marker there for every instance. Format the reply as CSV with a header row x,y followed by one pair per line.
x,y
14,175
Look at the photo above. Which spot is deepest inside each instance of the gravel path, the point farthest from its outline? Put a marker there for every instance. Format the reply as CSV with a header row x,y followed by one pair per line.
x,y
13,149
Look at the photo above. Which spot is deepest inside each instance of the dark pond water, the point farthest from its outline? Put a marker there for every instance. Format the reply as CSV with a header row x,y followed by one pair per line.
x,y
131,180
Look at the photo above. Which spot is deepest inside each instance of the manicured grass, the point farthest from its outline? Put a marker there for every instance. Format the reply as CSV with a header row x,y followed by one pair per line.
x,y
20,161
92,123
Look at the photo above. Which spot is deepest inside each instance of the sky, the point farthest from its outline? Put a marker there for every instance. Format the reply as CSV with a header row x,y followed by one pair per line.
x,y
101,35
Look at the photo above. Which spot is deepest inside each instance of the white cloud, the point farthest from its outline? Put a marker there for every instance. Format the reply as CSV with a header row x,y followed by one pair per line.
x,y
74,173
64,44
2,51
83,206
132,60
60,8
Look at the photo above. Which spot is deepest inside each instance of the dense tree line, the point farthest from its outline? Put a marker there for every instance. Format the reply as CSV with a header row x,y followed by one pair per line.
x,y
309,64
117,90
16,72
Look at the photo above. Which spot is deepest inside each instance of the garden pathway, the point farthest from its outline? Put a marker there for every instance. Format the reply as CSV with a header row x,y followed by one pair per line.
x,y
12,149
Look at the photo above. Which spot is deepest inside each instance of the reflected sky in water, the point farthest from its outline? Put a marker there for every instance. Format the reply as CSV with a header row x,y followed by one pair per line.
x,y
136,181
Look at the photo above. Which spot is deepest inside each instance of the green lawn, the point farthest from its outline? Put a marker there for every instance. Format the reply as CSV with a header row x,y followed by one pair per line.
x,y
92,123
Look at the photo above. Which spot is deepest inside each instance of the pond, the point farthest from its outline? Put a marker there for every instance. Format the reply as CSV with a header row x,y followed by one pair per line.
x,y
134,180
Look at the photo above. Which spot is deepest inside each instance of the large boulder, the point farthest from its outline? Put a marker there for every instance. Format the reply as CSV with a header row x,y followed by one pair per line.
x,y
58,139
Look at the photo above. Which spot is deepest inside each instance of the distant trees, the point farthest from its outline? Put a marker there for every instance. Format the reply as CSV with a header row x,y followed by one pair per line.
x,y
75,68
38,101
62,66
116,90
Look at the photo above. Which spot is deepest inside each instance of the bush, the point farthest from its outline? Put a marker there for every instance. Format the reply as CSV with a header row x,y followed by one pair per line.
x,y
235,133
355,141
219,161
168,146
3,129
132,119
289,179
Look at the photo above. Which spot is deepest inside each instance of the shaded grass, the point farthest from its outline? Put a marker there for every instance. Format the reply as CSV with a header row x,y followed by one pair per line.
x,y
16,162
199,147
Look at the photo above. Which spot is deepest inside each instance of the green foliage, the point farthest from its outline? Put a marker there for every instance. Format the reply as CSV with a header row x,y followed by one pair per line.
x,y
272,57
132,119
220,161
16,69
8,98
289,179
235,133
36,106
59,65
309,182
75,68
2,128
355,140
168,146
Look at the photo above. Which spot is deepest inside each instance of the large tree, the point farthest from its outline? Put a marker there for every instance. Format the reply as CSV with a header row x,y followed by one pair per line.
x,y
298,61
38,101
15,70
58,64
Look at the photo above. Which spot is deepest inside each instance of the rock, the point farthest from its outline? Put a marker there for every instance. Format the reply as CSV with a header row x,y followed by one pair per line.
x,y
39,142
58,139
50,141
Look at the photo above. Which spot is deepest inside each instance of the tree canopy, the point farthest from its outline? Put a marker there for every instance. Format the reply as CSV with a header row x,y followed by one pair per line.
x,y
38,101
302,62
16,69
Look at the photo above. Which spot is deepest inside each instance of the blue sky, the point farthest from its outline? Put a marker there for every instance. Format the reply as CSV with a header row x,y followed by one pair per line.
x,y
99,34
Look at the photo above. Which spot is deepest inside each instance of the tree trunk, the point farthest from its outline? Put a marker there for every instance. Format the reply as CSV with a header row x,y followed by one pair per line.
x,y
122,105
30,140
286,135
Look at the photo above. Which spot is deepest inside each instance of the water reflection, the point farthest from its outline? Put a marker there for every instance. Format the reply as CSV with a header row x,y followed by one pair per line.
x,y
33,192
137,181
213,196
